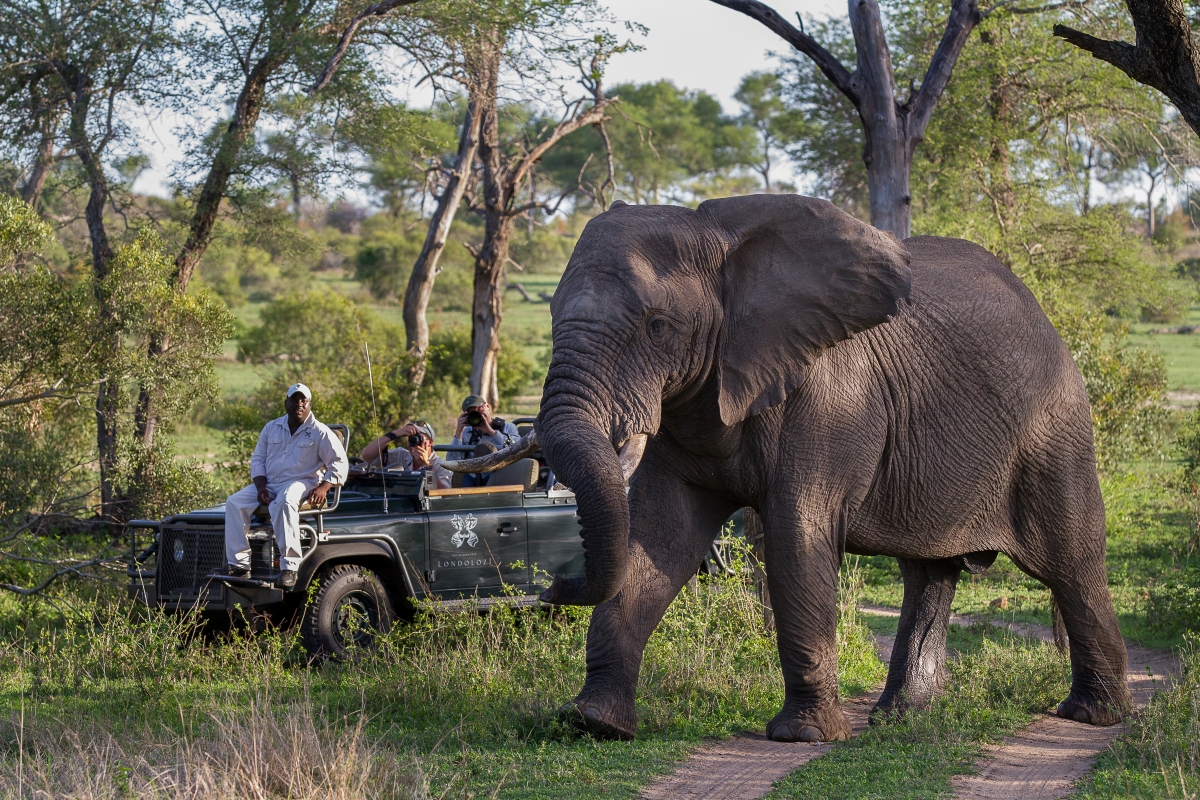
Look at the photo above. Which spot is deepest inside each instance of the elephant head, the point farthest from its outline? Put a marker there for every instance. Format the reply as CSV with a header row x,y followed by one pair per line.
x,y
659,302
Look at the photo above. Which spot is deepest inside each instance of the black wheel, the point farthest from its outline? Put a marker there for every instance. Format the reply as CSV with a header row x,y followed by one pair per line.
x,y
349,610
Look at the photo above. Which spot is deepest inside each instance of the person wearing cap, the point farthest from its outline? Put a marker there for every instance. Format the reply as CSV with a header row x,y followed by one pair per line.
x,y
479,429
477,425
414,451
296,459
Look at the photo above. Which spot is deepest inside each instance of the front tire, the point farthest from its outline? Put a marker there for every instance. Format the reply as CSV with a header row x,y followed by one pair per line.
x,y
349,611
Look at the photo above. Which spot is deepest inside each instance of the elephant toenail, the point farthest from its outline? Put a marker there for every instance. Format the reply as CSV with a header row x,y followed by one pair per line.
x,y
810,734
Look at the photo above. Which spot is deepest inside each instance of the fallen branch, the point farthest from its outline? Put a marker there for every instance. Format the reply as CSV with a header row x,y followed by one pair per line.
x,y
521,290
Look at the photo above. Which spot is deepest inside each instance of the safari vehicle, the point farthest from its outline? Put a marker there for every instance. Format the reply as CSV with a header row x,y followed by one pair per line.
x,y
383,539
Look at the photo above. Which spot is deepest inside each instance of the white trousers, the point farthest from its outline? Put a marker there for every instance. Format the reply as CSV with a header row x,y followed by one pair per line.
x,y
285,519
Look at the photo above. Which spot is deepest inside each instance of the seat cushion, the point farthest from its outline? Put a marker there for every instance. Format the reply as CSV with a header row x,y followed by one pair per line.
x,y
521,473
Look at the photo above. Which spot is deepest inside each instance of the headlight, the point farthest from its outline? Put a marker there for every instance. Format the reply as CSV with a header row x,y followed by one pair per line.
x,y
178,553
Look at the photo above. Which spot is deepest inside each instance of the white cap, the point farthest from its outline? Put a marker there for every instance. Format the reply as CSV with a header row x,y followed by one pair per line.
x,y
301,388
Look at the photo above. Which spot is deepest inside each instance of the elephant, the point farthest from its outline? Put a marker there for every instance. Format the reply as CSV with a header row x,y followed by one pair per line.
x,y
863,394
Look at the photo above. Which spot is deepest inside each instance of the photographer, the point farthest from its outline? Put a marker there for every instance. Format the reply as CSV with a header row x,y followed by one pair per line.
x,y
414,451
476,426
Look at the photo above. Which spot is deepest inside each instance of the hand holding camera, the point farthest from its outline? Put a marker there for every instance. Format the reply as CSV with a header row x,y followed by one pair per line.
x,y
420,447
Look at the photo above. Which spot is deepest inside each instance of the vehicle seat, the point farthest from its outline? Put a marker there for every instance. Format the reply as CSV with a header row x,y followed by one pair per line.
x,y
523,473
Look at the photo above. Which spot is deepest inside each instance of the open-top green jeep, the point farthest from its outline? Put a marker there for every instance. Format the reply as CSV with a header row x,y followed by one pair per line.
x,y
384,539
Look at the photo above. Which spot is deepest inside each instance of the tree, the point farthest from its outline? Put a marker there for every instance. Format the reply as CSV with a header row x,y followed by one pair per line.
x,y
761,94
892,128
504,176
1164,57
97,58
664,143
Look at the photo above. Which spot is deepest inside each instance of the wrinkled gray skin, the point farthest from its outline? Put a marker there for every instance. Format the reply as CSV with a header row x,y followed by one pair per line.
x,y
863,395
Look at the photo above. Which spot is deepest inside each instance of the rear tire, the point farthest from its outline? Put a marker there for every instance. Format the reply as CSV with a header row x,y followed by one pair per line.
x,y
350,609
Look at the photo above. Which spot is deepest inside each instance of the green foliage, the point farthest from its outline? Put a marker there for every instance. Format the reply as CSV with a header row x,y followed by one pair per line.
x,y
145,306
1126,385
390,245
159,483
668,143
40,472
450,361
21,231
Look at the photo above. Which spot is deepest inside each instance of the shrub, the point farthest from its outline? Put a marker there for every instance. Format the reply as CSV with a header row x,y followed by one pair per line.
x,y
1126,385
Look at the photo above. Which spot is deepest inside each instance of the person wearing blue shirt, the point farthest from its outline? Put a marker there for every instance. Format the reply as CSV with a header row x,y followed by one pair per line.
x,y
478,426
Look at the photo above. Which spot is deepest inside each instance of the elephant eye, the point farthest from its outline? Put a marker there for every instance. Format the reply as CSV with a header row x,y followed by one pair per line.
x,y
660,330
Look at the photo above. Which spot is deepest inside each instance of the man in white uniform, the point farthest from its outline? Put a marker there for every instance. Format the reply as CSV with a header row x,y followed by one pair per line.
x,y
296,458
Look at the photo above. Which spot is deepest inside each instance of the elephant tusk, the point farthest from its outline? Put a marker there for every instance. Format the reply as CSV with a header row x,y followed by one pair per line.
x,y
501,458
631,454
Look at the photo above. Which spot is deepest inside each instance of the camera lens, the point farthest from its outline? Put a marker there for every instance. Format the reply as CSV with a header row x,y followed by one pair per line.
x,y
415,440
474,419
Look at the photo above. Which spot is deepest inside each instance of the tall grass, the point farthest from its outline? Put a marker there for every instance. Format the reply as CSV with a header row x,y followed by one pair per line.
x,y
1159,757
456,703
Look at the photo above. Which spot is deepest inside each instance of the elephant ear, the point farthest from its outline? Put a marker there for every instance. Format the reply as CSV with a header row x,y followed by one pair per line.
x,y
799,276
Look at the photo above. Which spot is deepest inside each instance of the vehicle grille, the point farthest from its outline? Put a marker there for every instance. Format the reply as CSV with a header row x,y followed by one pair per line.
x,y
202,551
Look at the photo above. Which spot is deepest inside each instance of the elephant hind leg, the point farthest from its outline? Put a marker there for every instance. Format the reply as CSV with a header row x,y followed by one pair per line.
x,y
1060,530
917,672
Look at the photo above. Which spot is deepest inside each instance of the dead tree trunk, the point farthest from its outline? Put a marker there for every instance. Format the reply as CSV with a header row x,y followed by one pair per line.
x,y
502,178
892,128
1165,57
425,270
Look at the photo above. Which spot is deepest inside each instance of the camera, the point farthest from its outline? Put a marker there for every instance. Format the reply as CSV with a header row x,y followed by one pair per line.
x,y
416,440
474,419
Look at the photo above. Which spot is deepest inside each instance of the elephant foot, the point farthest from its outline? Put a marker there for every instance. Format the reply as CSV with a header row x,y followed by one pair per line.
x,y
1105,711
894,704
590,717
827,724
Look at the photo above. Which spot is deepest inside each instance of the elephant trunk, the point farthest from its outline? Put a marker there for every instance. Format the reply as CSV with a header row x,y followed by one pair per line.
x,y
584,458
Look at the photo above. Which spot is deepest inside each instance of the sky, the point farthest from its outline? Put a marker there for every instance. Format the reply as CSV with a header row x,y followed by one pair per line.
x,y
701,45
694,43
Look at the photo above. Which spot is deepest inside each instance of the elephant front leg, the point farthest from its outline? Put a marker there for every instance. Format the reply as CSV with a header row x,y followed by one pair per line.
x,y
918,668
802,575
671,527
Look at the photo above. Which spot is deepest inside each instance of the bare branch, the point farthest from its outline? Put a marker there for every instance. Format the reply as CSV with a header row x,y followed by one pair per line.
x,y
1165,57
16,401
73,569
375,10
964,16
826,61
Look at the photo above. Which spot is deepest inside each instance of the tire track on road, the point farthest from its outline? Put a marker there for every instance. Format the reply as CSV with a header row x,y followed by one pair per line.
x,y
1041,762
1044,761
747,765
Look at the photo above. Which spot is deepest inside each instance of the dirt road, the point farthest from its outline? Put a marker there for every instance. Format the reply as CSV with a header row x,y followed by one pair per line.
x,y
1041,762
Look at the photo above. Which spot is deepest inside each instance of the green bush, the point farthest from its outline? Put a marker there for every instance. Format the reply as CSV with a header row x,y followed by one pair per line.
x,y
450,361
157,483
1126,385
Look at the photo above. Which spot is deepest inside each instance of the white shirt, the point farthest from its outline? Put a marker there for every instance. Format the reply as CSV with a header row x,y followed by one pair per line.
x,y
312,453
